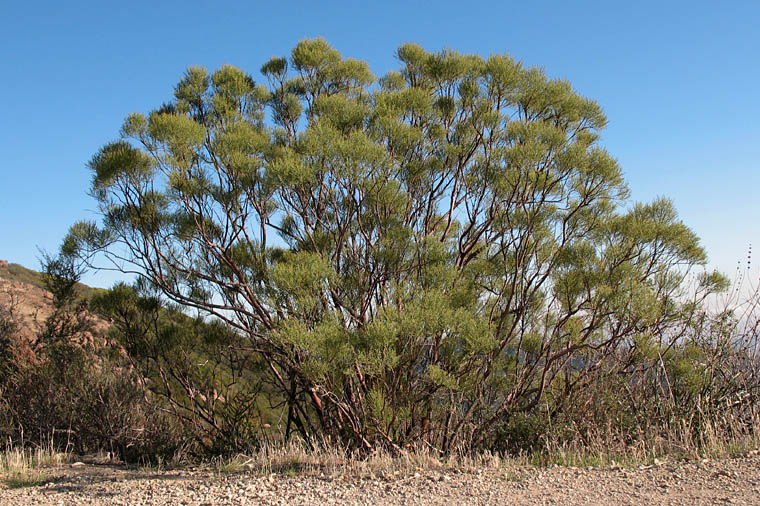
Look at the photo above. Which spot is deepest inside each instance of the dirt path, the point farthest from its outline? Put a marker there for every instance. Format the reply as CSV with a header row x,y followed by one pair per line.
x,y
735,481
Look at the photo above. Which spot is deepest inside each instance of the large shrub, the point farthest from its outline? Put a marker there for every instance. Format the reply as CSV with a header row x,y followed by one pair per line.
x,y
431,256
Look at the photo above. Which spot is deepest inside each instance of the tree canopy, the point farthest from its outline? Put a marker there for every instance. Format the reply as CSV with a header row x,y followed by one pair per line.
x,y
420,257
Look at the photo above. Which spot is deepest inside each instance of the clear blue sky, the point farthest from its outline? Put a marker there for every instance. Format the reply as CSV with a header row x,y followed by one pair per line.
x,y
679,81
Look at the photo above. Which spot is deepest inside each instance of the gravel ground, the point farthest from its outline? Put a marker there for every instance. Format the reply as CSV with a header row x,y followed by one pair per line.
x,y
735,481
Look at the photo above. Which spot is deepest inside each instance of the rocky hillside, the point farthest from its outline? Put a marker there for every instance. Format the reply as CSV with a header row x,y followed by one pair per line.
x,y
23,295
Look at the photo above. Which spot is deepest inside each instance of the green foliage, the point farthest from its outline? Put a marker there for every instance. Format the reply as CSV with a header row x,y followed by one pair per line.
x,y
431,255
191,369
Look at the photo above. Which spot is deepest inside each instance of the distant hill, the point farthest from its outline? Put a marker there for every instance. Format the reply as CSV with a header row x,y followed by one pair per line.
x,y
23,291
20,274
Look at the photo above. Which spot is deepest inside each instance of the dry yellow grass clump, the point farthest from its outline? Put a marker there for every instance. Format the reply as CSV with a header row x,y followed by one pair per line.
x,y
21,467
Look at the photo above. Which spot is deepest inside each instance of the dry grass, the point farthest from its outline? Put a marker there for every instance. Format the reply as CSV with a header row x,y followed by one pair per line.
x,y
326,458
683,441
719,438
25,467
722,439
